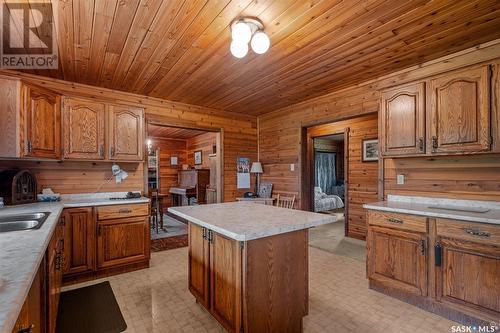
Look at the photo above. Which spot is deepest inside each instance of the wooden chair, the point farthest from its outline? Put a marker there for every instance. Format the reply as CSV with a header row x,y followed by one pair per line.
x,y
154,209
285,202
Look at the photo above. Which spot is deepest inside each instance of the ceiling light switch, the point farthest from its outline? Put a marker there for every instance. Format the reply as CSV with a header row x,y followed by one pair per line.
x,y
292,167
400,179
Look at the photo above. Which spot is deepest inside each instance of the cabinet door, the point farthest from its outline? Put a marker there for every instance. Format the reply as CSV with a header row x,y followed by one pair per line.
x,y
225,281
397,259
54,275
199,264
469,275
403,120
126,133
31,317
42,116
83,129
79,240
460,112
122,241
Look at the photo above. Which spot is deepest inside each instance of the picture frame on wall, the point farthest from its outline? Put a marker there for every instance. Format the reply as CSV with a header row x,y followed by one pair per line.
x,y
369,149
174,160
197,157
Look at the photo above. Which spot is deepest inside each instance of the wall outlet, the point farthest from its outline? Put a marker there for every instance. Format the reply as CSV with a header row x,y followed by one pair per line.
x,y
400,179
292,167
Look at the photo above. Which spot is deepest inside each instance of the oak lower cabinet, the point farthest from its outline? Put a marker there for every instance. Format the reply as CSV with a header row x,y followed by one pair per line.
x,y
79,240
450,267
259,285
32,316
55,261
468,267
122,235
398,259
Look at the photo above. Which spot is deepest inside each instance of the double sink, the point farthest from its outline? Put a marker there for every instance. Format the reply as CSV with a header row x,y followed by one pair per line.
x,y
17,222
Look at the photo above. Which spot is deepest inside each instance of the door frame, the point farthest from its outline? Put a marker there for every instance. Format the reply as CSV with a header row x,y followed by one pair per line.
x,y
219,143
309,173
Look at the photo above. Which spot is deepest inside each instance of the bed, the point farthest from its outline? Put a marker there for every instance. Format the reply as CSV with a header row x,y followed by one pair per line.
x,y
324,202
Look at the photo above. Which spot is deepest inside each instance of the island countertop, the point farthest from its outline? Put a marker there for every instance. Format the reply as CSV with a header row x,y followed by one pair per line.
x,y
243,221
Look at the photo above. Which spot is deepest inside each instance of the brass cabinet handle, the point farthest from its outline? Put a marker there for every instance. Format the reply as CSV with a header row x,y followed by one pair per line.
x,y
101,151
395,220
421,144
204,231
476,232
434,142
125,211
111,151
62,221
423,247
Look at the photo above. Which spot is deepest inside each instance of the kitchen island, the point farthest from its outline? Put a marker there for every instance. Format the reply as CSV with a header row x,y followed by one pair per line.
x,y
248,263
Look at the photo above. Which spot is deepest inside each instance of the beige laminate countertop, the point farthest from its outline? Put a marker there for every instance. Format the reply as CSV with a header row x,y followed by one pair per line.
x,y
21,252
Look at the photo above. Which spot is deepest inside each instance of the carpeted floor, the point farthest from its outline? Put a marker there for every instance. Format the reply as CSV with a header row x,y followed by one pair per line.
x,y
331,238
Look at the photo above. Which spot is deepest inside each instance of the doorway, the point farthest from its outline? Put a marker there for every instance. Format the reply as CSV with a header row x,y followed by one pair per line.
x,y
183,168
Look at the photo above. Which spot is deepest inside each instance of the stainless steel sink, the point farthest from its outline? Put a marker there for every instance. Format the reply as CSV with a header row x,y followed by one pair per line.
x,y
16,222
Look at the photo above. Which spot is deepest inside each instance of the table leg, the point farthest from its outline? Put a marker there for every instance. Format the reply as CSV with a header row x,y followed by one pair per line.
x,y
160,208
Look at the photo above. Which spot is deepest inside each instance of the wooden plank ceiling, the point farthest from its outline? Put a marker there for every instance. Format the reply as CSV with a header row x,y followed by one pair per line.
x,y
172,132
179,49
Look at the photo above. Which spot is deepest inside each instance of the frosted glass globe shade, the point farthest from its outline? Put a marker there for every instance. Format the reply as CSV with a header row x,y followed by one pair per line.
x,y
238,49
260,42
241,32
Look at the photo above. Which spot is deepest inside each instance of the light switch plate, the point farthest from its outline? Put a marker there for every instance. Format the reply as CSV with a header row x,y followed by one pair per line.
x,y
400,179
292,167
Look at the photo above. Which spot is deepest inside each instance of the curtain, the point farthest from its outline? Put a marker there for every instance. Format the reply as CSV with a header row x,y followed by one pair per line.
x,y
325,173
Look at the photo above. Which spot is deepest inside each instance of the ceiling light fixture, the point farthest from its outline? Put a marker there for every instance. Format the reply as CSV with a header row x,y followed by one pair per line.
x,y
248,30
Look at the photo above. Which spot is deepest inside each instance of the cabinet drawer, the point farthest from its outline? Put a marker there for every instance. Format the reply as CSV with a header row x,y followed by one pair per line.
x,y
122,211
398,221
469,231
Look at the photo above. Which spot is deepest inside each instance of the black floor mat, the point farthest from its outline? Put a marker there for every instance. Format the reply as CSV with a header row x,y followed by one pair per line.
x,y
91,309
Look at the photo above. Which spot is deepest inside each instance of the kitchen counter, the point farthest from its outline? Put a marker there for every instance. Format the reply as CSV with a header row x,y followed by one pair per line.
x,y
243,221
21,252
466,210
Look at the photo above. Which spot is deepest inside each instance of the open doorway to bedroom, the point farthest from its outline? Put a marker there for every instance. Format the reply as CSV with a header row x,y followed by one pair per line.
x,y
337,178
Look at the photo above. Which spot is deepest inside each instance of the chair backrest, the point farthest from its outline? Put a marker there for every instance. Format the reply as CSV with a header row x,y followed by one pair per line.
x,y
285,202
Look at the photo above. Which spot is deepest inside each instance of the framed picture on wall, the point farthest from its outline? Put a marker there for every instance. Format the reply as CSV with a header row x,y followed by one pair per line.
x,y
174,160
197,157
369,150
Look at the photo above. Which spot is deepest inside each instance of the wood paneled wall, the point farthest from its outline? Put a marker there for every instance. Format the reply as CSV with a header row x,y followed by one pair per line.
x,y
280,132
471,177
362,176
80,177
203,142
168,172
239,132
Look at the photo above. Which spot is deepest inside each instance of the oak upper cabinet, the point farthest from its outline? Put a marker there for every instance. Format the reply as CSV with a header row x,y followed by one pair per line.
x,y
125,133
122,235
397,252
41,113
403,120
83,129
459,110
199,263
469,266
79,240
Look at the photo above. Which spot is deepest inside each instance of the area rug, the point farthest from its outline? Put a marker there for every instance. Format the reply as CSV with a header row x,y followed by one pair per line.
x,y
169,243
90,309
171,228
